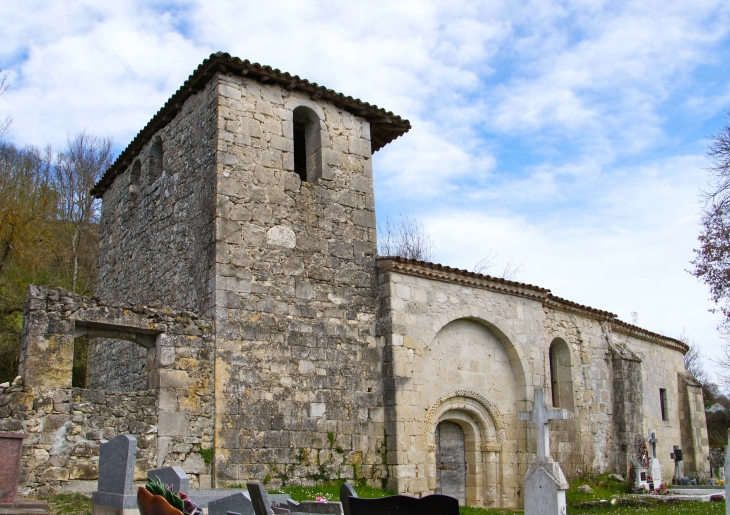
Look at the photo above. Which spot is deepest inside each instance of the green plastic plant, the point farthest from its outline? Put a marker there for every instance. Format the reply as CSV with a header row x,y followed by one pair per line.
x,y
176,499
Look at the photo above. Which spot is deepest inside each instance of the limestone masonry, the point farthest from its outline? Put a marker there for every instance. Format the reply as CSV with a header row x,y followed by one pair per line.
x,y
249,331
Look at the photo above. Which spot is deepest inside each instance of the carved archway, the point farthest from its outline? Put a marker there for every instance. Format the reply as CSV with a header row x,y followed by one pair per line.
x,y
484,434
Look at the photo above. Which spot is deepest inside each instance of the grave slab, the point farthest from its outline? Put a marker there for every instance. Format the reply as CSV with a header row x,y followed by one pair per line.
x,y
237,503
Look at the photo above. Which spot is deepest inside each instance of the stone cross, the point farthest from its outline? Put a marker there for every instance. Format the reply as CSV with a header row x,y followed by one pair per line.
x,y
541,415
653,441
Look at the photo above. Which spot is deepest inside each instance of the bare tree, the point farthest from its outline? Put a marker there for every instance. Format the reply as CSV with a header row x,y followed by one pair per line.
x,y
5,123
79,166
490,265
406,238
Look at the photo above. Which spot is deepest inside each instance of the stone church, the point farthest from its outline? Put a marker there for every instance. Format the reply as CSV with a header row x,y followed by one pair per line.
x,y
240,295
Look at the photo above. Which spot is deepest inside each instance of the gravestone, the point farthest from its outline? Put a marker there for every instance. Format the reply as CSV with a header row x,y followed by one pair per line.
x,y
174,477
435,504
655,469
640,460
116,475
259,498
320,507
544,484
237,503
678,465
11,449
346,491
717,463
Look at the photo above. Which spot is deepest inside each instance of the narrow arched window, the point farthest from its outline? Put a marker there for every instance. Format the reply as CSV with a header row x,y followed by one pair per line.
x,y
307,144
134,180
561,376
155,159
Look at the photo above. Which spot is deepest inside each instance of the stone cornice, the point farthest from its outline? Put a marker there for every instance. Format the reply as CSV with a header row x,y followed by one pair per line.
x,y
458,276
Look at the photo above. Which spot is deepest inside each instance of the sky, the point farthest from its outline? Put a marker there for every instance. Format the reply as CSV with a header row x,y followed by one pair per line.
x,y
568,138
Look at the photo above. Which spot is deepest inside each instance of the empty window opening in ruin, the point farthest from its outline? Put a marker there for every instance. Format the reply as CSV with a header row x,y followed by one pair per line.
x,y
80,361
663,403
155,159
307,139
561,376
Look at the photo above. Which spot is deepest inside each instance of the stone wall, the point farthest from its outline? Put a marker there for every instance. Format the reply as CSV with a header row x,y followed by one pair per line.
x,y
472,349
66,426
173,421
156,235
298,386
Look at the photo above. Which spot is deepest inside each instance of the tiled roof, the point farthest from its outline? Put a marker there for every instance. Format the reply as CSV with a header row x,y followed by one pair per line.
x,y
384,125
444,273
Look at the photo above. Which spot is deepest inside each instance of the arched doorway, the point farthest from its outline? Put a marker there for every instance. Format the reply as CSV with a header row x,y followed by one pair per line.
x,y
451,461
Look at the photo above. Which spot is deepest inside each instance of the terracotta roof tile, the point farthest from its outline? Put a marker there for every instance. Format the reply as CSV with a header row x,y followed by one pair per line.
x,y
384,125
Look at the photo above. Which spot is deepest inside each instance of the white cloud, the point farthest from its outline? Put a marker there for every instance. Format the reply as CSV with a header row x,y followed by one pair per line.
x,y
584,94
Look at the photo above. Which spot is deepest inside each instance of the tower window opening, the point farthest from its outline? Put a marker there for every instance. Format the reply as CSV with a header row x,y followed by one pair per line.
x,y
156,156
663,403
300,150
307,136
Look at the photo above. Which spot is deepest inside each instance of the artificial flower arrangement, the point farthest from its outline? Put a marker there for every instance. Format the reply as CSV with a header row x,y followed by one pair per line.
x,y
157,498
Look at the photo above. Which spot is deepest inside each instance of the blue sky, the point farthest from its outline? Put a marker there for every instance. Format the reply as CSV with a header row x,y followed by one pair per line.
x,y
566,136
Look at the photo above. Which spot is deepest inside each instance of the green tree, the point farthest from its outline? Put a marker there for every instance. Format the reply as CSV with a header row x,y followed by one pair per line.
x,y
27,239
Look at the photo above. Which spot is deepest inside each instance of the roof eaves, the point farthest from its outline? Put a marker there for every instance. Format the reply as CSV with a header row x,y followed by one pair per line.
x,y
384,125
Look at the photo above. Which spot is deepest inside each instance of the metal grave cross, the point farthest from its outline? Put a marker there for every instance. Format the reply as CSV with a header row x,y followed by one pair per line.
x,y
541,415
653,441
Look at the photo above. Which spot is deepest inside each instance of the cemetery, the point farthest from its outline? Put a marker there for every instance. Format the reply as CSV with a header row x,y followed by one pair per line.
x,y
246,338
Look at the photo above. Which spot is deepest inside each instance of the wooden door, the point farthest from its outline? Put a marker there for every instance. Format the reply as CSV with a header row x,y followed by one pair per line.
x,y
450,461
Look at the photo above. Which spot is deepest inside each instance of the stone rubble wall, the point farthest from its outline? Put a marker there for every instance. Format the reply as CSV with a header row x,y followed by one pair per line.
x,y
156,234
173,420
298,386
66,426
117,366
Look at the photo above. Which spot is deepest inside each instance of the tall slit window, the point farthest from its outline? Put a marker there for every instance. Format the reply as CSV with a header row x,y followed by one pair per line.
x,y
134,180
307,138
156,154
663,403
554,384
561,376
300,158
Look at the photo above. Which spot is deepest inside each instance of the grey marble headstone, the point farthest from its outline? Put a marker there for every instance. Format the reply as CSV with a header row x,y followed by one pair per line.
x,y
116,473
237,503
259,498
172,476
323,508
346,491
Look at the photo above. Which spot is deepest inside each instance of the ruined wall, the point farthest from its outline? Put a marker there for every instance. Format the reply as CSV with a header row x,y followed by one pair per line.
x,y
66,426
298,367
173,421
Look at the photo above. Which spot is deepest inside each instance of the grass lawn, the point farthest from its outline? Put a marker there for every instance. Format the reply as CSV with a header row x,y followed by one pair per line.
x,y
67,504
603,488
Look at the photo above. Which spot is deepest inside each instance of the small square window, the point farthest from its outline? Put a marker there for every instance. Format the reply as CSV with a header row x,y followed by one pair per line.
x,y
663,403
